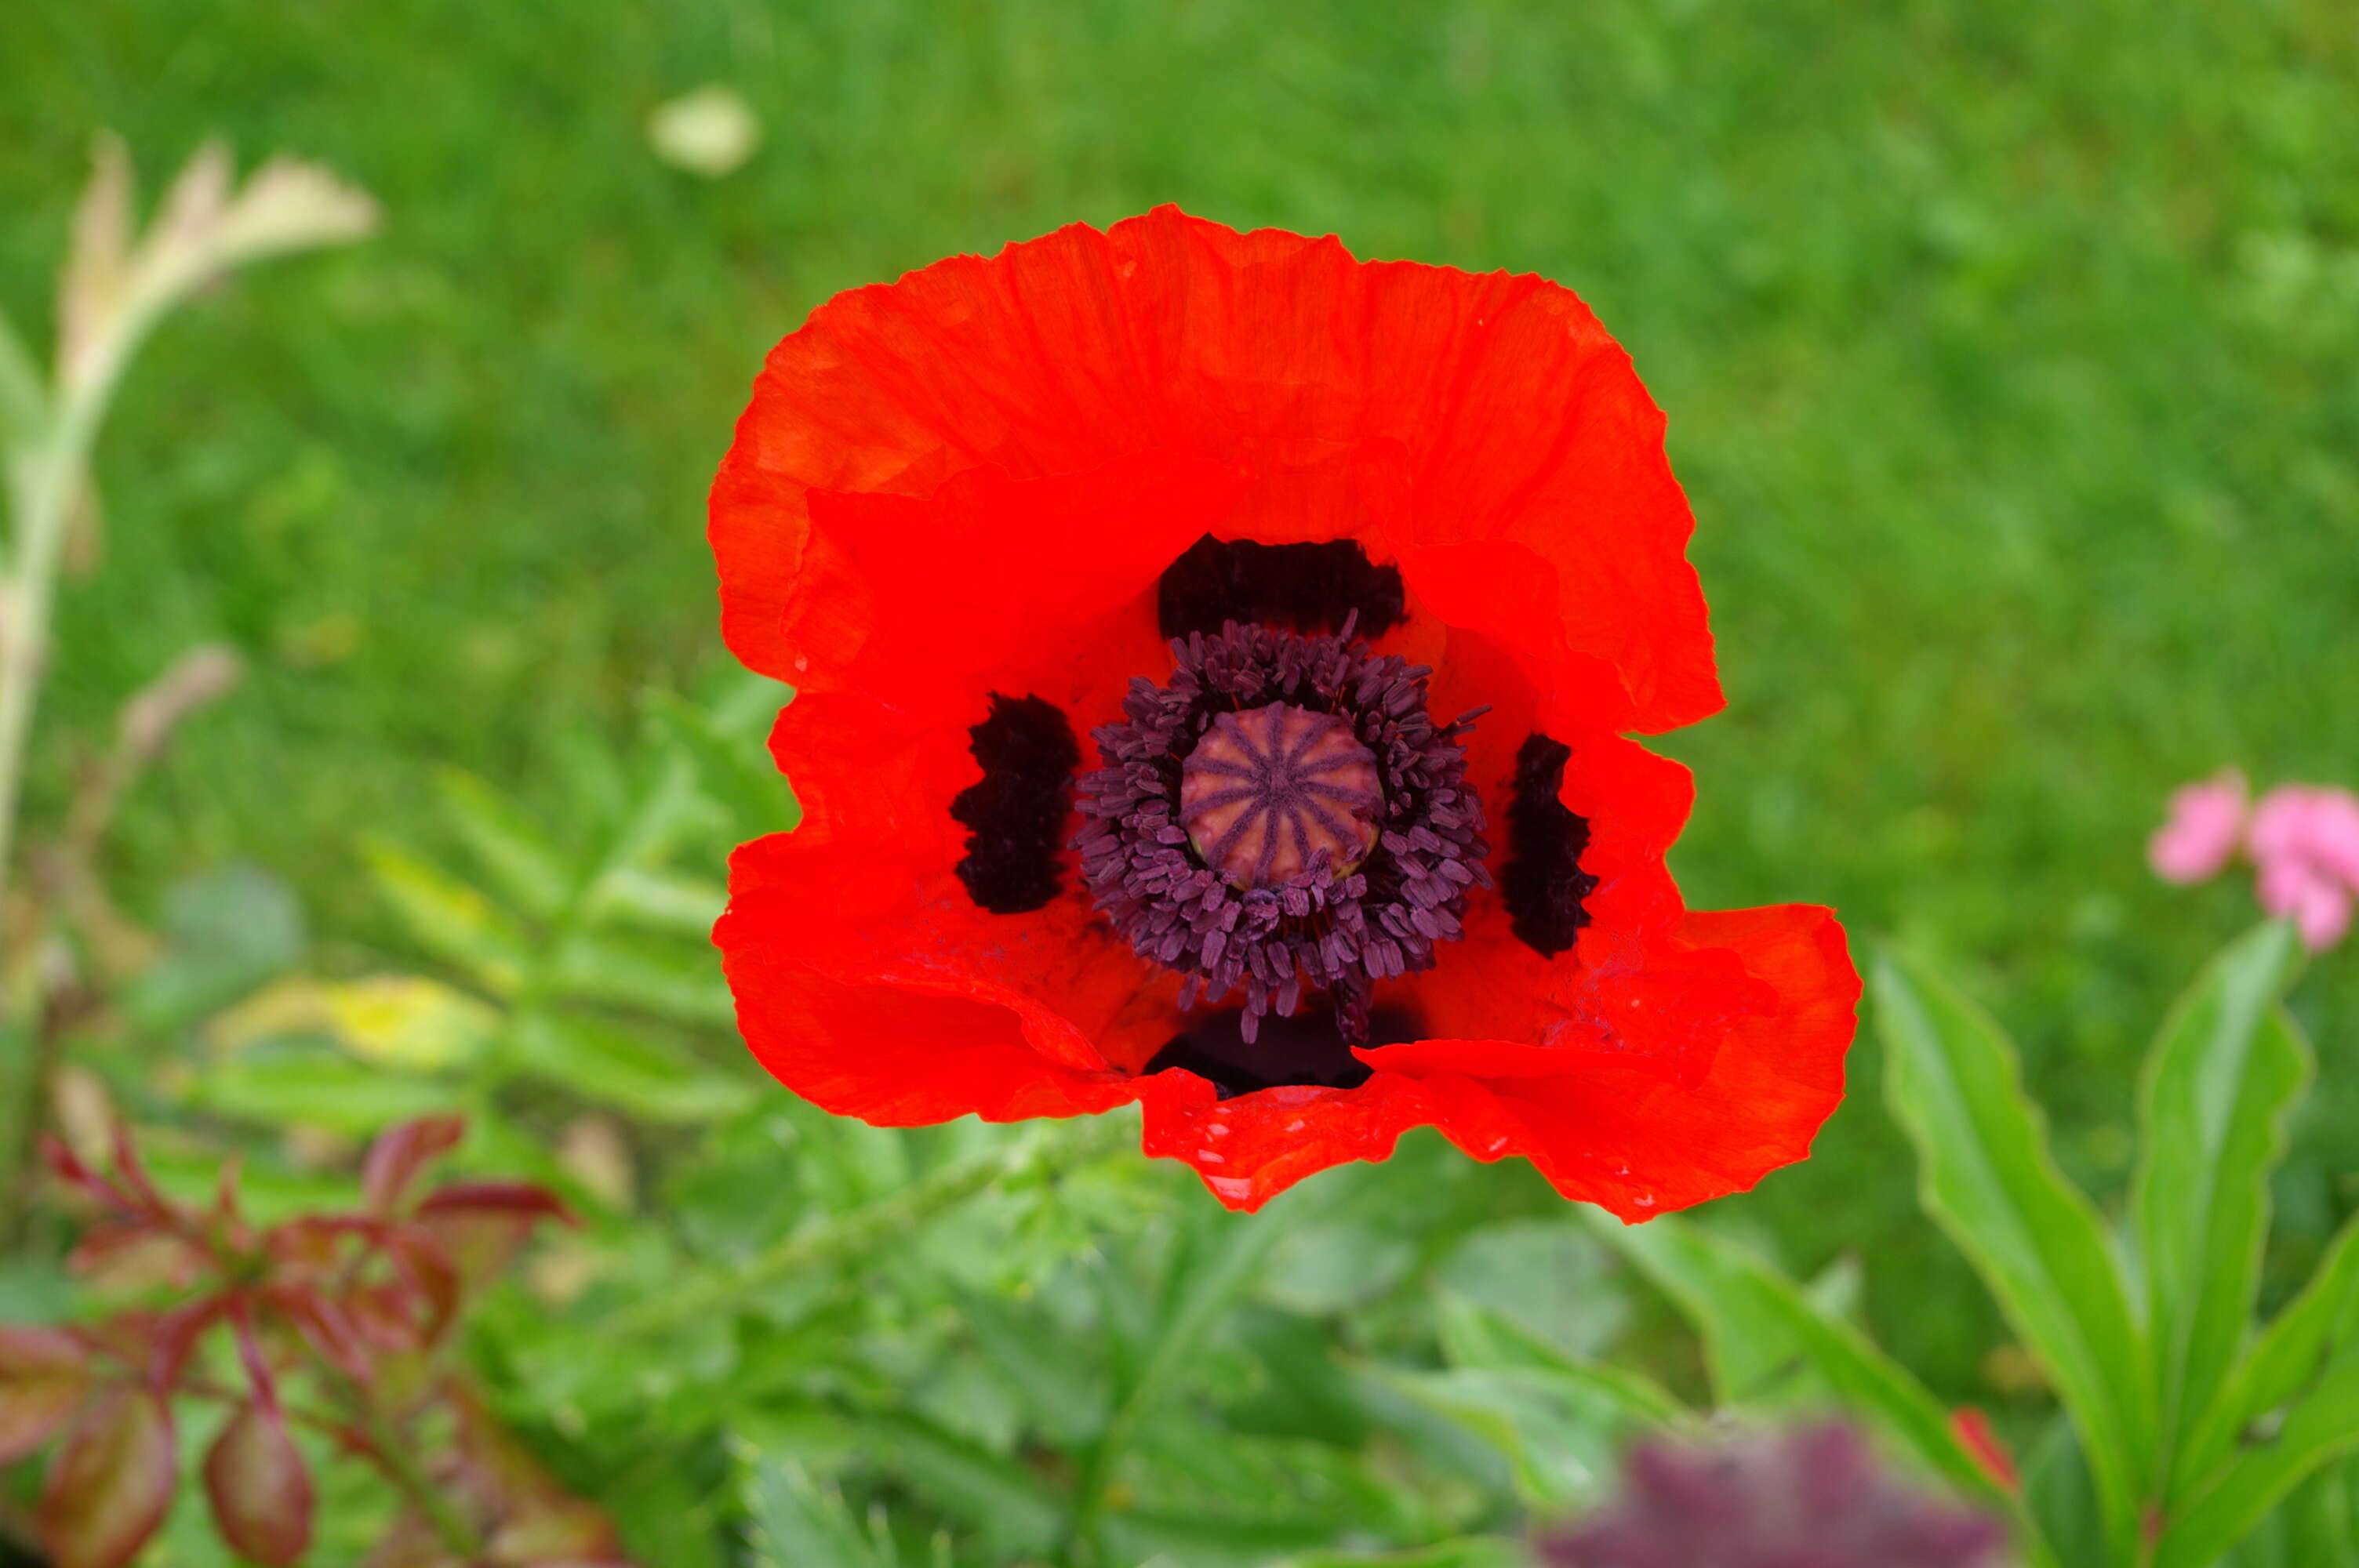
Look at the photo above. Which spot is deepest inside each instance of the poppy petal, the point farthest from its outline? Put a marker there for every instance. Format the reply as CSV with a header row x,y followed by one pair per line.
x,y
1515,418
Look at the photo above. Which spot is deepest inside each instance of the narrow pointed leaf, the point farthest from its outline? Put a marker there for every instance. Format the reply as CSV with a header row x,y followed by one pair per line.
x,y
529,868
1730,1294
2211,1107
2322,1424
1955,1085
2291,1356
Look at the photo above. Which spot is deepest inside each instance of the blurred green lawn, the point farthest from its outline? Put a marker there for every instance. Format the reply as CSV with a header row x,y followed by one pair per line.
x,y
2011,352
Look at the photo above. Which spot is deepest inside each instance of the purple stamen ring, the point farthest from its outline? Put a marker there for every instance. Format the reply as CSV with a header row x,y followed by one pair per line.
x,y
1282,815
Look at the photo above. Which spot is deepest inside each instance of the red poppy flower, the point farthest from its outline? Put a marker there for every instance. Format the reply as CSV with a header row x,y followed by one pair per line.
x,y
1213,655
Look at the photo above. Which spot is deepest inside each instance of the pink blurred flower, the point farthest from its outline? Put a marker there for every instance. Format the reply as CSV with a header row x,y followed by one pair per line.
x,y
2206,821
2312,824
2313,896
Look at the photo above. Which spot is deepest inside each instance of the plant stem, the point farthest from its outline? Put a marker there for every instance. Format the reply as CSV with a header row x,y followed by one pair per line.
x,y
1050,1152
401,1467
43,479
44,482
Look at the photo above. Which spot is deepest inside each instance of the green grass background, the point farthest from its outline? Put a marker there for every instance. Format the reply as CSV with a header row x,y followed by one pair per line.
x,y
2011,352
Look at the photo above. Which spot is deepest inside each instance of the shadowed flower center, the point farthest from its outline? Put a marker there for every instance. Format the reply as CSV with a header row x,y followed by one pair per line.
x,y
1282,816
1271,791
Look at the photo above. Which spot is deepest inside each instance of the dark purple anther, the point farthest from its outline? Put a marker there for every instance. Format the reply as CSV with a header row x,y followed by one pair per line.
x,y
1283,817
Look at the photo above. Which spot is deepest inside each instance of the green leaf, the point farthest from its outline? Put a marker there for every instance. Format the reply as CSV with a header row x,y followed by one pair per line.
x,y
2291,1354
1062,1386
1732,1296
2322,1426
318,1089
1012,1510
2212,1105
520,858
661,900
634,1073
226,931
645,977
1468,1552
452,920
2061,1497
794,1522
1955,1085
1207,1540
1212,1263
1478,1338
1558,1433
737,777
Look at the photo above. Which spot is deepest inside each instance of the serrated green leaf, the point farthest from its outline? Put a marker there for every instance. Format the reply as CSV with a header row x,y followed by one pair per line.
x,y
2291,1354
1011,1508
2322,1426
2211,1104
635,1072
1207,1540
1469,1552
661,900
450,918
793,1521
321,1090
1062,1386
735,777
519,857
1558,1433
1476,1338
1987,1176
642,976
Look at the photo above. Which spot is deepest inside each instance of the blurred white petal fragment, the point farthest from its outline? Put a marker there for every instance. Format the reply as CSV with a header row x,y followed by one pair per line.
x,y
114,289
709,132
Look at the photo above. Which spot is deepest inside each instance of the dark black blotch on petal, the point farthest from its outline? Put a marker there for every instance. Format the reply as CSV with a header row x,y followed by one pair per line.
x,y
1306,1048
1543,882
1298,587
1017,813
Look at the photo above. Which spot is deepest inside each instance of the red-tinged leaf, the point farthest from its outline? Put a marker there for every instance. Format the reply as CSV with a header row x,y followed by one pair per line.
x,y
249,1354
384,1315
134,1255
132,1173
523,1198
43,1375
174,1339
410,1543
400,1153
324,1326
426,1268
112,1481
550,1530
480,1242
260,1487
68,1168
